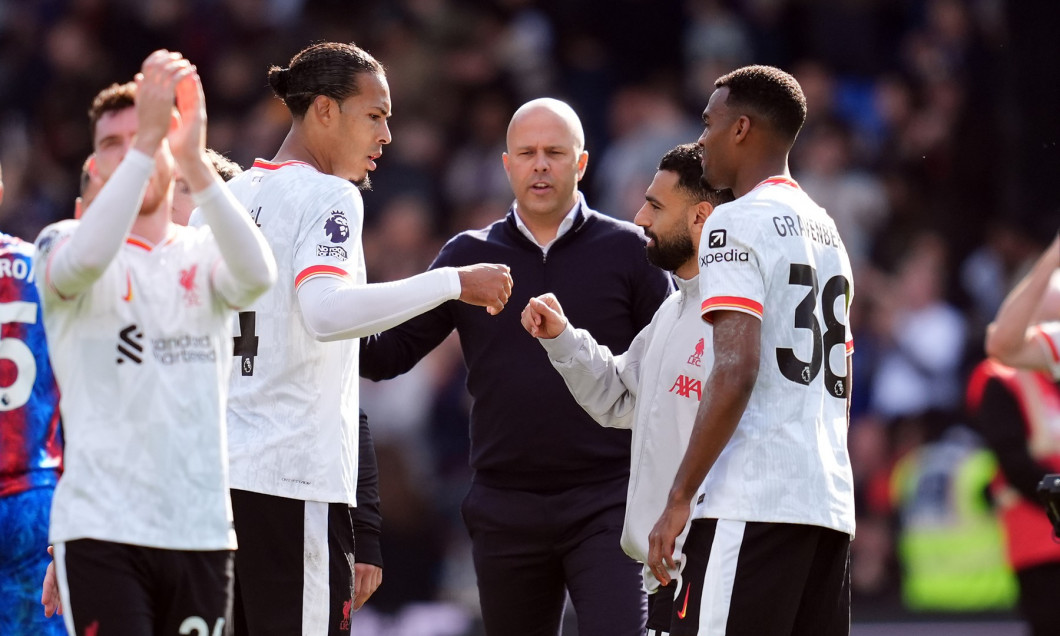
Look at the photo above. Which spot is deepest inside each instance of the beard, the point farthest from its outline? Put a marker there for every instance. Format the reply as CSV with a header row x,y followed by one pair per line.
x,y
364,184
670,253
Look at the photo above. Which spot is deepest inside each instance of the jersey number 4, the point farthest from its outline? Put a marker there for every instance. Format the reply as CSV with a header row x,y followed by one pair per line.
x,y
804,372
245,345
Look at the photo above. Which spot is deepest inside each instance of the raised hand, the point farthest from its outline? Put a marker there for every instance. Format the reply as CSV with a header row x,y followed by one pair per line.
x,y
485,285
543,317
155,91
187,139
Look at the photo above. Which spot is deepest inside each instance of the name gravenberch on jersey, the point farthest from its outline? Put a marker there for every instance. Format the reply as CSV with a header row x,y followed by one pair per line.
x,y
798,226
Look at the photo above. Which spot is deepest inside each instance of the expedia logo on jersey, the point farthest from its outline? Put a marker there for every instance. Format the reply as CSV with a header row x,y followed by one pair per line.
x,y
184,349
130,347
730,256
332,250
718,239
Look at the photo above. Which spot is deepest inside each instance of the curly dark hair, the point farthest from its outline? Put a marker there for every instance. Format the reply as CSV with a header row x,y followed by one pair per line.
x,y
684,161
325,68
769,92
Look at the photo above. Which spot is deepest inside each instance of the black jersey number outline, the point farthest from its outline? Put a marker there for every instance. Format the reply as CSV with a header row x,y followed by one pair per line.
x,y
790,365
245,344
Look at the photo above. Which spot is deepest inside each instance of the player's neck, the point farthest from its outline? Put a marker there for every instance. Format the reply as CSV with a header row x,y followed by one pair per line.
x,y
755,172
153,225
294,148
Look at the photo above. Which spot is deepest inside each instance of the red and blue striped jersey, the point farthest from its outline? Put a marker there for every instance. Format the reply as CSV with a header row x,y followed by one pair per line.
x,y
30,431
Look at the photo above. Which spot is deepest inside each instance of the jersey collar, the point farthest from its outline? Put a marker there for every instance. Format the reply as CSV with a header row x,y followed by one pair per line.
x,y
777,180
271,165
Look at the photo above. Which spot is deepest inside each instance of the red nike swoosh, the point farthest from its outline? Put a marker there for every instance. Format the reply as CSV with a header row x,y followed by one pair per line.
x,y
128,288
684,608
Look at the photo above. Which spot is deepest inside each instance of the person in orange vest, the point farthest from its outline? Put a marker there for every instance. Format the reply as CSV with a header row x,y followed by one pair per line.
x,y
1017,412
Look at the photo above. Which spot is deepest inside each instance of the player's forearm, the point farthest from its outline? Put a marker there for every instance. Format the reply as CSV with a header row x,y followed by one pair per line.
x,y
1007,335
248,268
335,309
602,384
104,227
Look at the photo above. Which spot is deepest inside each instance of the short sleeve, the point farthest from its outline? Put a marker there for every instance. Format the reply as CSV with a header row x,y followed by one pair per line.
x,y
730,266
329,237
1048,335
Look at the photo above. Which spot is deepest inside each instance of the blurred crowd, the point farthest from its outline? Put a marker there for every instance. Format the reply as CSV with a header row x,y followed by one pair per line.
x,y
931,140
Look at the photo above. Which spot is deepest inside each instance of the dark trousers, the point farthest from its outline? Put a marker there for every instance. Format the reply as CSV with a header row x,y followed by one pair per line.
x,y
1039,586
294,566
118,589
530,548
748,578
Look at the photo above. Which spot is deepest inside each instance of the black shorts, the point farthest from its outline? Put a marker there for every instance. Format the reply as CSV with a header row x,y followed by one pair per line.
x,y
294,566
120,589
763,579
660,610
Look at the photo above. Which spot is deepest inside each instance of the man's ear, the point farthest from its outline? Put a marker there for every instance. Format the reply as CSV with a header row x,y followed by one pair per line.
x,y
700,212
583,162
742,128
324,108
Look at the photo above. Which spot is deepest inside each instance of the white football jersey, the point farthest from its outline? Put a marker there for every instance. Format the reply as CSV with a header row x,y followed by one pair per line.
x,y
775,254
292,409
142,358
1049,338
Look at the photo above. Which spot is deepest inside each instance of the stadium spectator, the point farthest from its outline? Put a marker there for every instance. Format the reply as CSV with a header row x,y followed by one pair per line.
x,y
1013,410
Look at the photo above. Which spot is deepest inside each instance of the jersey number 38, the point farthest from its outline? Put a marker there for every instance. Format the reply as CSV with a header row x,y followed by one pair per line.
x,y
801,371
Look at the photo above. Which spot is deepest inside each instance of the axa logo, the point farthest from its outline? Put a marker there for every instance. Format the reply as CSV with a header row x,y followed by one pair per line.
x,y
686,386
716,239
130,345
187,281
697,355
